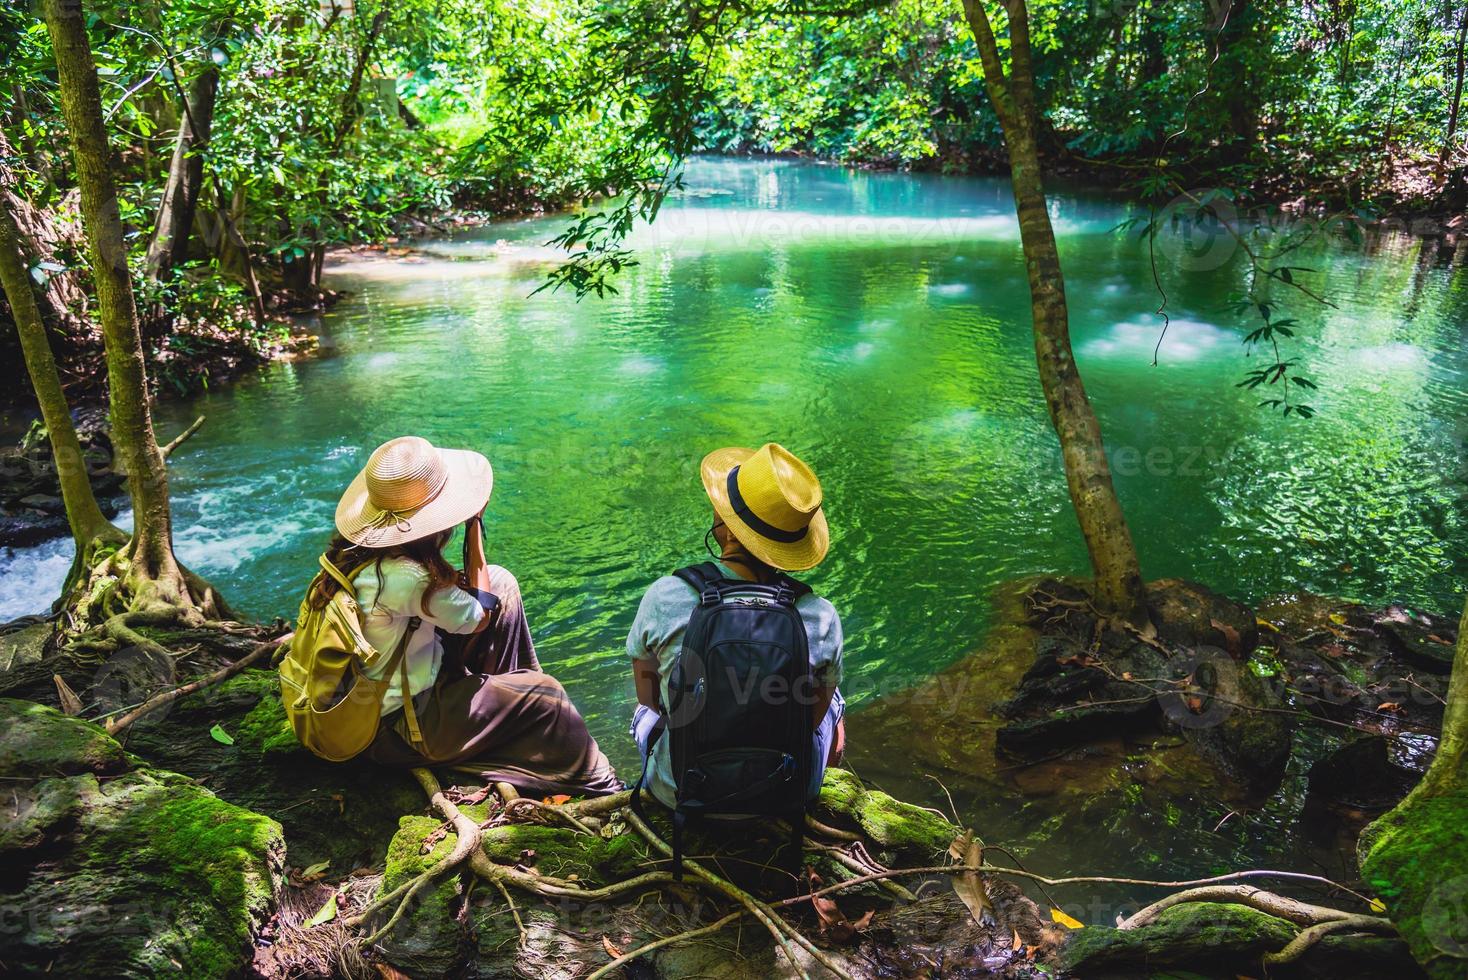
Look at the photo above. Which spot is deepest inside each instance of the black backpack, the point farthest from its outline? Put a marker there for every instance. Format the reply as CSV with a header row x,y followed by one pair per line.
x,y
739,721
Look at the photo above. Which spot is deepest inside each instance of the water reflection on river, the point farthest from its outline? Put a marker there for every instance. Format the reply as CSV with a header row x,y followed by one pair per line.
x,y
878,324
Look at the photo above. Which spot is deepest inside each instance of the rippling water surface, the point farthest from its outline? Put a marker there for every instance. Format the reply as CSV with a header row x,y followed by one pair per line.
x,y
878,324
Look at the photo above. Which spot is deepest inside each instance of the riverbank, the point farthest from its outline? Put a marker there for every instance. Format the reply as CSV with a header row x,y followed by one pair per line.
x,y
247,855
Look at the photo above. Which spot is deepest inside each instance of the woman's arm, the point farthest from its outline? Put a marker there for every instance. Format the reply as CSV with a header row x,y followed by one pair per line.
x,y
476,570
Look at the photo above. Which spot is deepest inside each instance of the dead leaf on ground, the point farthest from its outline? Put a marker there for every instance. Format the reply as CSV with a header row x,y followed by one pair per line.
x,y
1390,707
612,950
70,704
834,922
969,885
1230,638
556,800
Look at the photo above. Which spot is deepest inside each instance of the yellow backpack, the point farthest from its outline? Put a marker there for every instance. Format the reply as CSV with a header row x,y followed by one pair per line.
x,y
333,706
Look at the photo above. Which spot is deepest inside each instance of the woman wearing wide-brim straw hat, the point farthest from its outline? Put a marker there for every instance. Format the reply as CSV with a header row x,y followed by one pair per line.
x,y
480,696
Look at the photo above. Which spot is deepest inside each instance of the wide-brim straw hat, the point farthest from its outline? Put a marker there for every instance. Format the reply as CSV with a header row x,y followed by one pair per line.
x,y
771,501
411,489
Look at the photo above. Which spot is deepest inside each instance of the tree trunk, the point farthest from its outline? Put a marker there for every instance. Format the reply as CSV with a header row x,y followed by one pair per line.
x,y
170,244
82,512
1234,74
1415,855
152,568
1457,103
1119,586
61,299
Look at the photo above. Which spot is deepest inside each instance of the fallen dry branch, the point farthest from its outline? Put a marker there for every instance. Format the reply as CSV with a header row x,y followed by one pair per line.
x,y
115,725
179,440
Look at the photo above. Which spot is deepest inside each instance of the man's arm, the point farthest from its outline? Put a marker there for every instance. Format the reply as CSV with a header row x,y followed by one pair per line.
x,y
820,704
645,675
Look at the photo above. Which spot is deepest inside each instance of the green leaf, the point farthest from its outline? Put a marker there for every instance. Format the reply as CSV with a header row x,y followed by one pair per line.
x,y
221,736
318,868
326,913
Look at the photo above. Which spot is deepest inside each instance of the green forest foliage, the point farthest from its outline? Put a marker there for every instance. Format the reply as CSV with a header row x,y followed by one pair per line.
x,y
1332,100
335,119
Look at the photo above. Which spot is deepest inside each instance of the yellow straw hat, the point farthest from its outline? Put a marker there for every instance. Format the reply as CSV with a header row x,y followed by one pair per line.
x,y
410,489
772,503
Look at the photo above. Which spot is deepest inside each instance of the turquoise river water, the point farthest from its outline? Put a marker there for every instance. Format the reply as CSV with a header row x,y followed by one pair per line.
x,y
877,324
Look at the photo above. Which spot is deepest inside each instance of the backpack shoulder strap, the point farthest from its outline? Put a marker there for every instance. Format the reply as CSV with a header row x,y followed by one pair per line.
x,y
796,587
701,577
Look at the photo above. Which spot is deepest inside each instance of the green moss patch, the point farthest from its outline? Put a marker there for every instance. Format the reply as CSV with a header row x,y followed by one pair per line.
x,y
38,741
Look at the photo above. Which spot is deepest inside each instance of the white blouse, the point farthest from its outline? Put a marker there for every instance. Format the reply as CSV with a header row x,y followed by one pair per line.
x,y
386,610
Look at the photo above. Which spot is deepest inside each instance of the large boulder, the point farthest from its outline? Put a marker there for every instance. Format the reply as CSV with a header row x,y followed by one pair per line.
x,y
1189,615
117,870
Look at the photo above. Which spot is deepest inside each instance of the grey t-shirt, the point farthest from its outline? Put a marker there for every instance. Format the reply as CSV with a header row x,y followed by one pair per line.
x,y
657,633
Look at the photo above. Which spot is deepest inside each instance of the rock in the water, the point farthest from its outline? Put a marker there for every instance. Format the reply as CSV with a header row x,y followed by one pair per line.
x,y
1190,615
1361,775
1236,720
1422,641
123,872
1064,700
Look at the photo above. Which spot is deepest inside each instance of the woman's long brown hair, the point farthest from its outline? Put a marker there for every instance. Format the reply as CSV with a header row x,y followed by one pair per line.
x,y
427,553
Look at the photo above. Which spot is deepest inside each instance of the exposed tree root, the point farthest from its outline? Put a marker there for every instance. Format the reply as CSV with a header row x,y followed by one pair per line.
x,y
467,852
115,725
679,937
1280,907
768,917
465,845
1308,937
1319,920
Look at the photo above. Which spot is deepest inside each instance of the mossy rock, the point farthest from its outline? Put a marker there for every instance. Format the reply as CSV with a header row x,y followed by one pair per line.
x,y
344,813
1416,860
127,873
908,833
428,940
38,741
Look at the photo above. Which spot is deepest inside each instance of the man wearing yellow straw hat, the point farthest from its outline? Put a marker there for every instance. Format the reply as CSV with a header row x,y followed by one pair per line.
x,y
768,521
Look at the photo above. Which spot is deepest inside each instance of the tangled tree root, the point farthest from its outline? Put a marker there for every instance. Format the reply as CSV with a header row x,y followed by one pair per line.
x,y
471,854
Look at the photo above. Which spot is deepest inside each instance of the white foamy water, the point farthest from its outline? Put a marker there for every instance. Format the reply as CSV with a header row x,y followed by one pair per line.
x,y
31,578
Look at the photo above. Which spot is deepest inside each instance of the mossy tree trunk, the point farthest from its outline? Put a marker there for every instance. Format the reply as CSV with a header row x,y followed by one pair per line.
x,y
150,573
1416,856
88,525
1088,474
